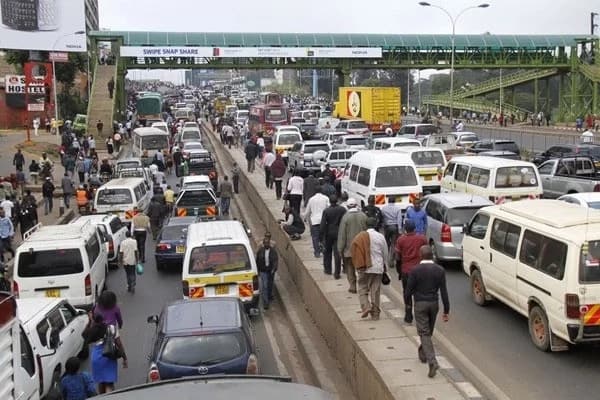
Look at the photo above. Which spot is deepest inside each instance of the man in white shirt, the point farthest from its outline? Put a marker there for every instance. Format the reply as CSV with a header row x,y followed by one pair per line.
x,y
267,162
295,188
7,206
313,214
128,259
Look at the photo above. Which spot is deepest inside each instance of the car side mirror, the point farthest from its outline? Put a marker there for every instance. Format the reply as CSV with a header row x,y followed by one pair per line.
x,y
153,319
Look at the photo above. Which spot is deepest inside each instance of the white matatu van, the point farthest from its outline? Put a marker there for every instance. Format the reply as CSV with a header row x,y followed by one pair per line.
x,y
541,258
381,174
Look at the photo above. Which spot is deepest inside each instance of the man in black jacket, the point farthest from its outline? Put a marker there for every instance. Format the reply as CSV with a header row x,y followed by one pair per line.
x,y
48,194
267,261
330,224
251,152
424,282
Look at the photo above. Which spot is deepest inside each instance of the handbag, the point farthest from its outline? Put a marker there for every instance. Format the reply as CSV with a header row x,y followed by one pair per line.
x,y
385,278
139,268
110,349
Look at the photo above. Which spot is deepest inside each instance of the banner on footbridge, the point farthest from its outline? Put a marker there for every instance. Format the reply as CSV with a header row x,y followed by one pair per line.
x,y
252,52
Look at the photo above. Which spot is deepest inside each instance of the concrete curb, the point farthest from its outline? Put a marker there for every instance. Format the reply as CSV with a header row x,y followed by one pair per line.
x,y
350,340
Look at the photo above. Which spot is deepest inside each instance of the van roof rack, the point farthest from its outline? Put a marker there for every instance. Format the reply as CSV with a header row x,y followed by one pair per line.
x,y
68,231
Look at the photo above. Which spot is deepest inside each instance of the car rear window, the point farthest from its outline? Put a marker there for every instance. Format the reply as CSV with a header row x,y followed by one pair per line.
x,y
203,350
460,215
314,147
219,258
50,263
357,125
109,197
356,141
174,232
469,138
507,146
399,175
195,198
287,139
589,266
428,157
130,164
518,176
194,146
187,135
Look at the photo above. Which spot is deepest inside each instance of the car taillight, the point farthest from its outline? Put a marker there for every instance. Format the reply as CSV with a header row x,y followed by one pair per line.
x,y
111,246
446,235
163,246
245,290
597,187
186,288
15,288
153,375
38,358
572,306
88,285
252,366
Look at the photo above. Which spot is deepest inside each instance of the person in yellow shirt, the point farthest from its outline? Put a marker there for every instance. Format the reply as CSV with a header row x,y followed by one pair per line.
x,y
169,198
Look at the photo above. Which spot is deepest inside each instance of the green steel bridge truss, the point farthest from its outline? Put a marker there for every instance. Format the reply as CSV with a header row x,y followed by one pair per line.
x,y
532,58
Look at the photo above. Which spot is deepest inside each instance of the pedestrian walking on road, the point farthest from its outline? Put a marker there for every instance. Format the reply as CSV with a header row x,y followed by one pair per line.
x,y
424,283
235,177
352,223
311,187
313,214
295,189
226,190
251,152
408,256
372,211
19,160
330,224
76,385
267,261
140,225
391,213
418,216
128,259
156,213
48,194
108,308
25,218
268,161
278,169
68,189
100,127
369,251
111,87
7,231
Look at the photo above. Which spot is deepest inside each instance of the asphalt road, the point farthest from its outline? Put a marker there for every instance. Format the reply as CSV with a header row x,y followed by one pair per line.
x,y
153,291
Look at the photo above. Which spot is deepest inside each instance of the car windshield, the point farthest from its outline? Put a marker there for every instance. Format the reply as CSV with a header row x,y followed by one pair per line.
x,y
428,157
107,197
311,148
195,198
193,146
157,142
589,266
208,349
49,263
357,125
287,139
468,138
460,216
517,176
275,114
174,232
399,175
219,258
190,134
356,141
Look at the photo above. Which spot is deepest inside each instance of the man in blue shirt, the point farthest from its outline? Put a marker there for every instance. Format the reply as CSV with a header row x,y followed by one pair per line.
x,y
417,215
6,233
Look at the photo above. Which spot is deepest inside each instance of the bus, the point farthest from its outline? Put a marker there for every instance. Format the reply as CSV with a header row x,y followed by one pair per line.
x,y
265,117
148,107
149,140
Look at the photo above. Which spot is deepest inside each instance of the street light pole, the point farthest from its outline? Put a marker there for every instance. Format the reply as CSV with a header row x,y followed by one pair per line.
x,y
452,43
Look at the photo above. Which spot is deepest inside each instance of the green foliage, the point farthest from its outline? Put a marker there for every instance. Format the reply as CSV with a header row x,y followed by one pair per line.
x,y
17,58
70,103
65,72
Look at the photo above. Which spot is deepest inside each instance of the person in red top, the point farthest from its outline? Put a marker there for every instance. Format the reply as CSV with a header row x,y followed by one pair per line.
x,y
408,252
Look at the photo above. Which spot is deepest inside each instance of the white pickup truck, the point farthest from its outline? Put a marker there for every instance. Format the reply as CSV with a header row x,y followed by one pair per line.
x,y
569,175
19,375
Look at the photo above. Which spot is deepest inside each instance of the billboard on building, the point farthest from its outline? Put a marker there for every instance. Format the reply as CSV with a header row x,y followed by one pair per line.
x,y
49,25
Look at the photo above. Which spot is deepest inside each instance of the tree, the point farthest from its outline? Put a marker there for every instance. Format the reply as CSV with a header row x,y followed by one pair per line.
x,y
17,58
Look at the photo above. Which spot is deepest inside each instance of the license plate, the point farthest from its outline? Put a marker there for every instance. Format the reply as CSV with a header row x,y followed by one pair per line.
x,y
180,249
53,293
221,289
428,177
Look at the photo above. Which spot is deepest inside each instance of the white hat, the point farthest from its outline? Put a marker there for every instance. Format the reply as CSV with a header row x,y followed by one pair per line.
x,y
351,202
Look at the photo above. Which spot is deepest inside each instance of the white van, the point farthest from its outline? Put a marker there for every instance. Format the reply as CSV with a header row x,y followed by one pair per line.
x,y
112,229
53,328
219,261
498,179
120,196
430,163
541,258
383,175
68,261
390,143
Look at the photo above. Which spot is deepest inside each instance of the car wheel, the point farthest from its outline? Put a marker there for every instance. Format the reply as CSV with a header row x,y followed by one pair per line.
x,y
478,292
539,328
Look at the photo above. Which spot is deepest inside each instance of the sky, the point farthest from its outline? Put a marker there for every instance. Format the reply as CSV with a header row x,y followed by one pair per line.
x,y
345,16
348,16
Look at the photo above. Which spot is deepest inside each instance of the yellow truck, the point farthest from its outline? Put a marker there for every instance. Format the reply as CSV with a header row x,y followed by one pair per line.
x,y
379,107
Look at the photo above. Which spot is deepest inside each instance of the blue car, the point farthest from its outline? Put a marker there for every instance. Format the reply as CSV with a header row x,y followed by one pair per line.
x,y
202,337
170,243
